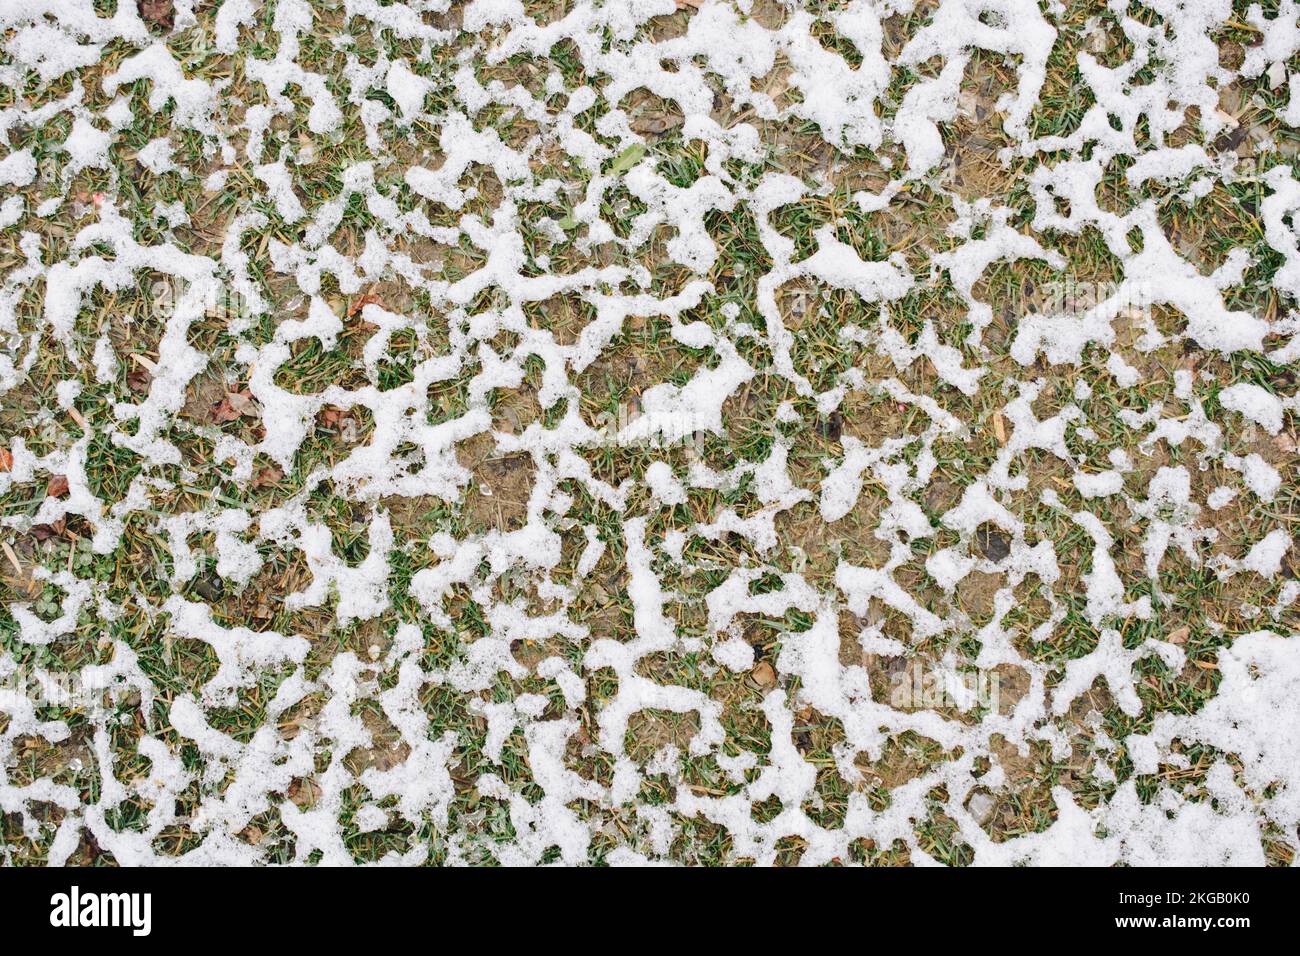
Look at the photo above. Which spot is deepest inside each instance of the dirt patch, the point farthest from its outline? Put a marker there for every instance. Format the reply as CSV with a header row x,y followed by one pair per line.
x,y
975,595
498,492
649,731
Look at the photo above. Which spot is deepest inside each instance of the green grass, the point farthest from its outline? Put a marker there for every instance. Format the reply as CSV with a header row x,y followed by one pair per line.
x,y
135,575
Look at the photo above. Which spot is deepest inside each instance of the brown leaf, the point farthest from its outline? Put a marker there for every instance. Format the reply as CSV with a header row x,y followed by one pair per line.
x,y
304,792
156,11
43,532
21,579
138,380
233,406
999,428
6,459
764,674
330,416
270,475
57,486
222,412
691,4
360,302
243,403
656,123
1179,636
1206,665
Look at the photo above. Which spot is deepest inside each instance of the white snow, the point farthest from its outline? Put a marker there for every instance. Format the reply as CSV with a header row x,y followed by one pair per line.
x,y
703,480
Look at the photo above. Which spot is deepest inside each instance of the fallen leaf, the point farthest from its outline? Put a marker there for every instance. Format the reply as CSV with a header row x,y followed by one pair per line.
x,y
303,792
243,403
1000,428
57,486
689,4
270,475
764,674
138,381
1230,140
1179,636
993,544
222,412
627,159
234,405
43,532
6,459
360,302
209,587
21,580
832,426
779,84
330,416
656,123
156,11
1206,665
13,558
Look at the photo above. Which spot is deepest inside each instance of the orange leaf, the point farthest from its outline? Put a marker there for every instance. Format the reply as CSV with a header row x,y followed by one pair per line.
x,y
57,486
360,302
330,416
6,459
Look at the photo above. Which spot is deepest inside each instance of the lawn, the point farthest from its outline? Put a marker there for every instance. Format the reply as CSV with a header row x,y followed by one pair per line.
x,y
712,432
